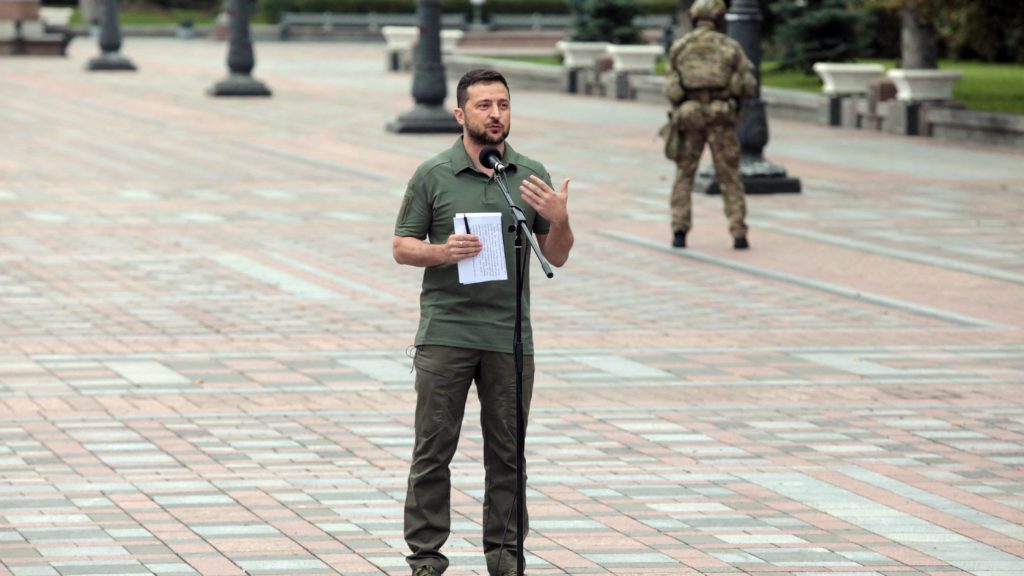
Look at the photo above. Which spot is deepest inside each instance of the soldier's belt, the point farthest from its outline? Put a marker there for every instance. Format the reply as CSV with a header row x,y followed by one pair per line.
x,y
705,95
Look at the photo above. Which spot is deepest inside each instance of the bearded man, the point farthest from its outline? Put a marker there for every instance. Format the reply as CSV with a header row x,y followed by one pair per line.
x,y
466,330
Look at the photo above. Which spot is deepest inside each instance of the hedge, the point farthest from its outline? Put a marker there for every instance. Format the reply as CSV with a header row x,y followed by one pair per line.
x,y
273,8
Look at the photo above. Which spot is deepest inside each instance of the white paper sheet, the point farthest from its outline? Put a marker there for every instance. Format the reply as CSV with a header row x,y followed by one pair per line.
x,y
489,264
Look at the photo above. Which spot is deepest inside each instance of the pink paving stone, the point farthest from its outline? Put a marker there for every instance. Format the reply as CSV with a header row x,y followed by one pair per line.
x,y
214,566
347,562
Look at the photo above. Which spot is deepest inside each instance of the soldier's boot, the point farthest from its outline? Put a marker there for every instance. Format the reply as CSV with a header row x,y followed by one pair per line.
x,y
740,243
679,239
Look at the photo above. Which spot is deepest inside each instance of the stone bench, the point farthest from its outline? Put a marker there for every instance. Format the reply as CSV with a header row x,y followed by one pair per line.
x,y
533,21
326,23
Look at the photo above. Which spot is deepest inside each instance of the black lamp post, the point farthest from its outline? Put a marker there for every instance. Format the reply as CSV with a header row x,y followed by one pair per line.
x,y
429,86
759,175
110,42
240,56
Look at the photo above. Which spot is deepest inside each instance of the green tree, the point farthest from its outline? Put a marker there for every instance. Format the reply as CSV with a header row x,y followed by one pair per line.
x,y
809,31
992,30
605,21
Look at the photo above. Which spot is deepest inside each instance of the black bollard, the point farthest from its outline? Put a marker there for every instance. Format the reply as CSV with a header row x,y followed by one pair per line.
x,y
110,57
429,86
240,56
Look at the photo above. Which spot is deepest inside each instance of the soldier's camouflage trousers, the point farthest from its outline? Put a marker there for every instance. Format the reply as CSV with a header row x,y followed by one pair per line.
x,y
725,152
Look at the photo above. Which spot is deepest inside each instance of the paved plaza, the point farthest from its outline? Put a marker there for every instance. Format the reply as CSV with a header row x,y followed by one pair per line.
x,y
203,338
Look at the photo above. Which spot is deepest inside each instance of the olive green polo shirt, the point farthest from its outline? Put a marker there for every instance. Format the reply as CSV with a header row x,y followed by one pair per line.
x,y
478,316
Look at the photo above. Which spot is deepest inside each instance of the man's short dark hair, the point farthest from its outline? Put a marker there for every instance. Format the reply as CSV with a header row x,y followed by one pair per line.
x,y
478,76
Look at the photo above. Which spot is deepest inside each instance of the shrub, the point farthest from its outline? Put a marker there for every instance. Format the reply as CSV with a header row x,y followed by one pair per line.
x,y
273,8
605,21
817,31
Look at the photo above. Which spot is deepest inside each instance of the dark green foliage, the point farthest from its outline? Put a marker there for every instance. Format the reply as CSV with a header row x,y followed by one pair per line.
x,y
605,21
206,5
273,8
817,31
658,6
523,6
991,30
883,30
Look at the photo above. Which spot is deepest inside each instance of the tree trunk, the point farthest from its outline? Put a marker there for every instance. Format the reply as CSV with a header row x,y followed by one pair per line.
x,y
918,49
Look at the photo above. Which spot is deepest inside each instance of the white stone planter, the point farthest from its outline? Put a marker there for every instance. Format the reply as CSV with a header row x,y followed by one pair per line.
x,y
404,38
400,38
449,40
634,57
55,17
581,54
842,79
924,85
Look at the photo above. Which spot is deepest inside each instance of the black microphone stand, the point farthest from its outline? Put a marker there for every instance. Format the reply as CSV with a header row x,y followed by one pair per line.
x,y
521,229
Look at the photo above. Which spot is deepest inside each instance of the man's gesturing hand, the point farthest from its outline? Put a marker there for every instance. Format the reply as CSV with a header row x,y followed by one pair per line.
x,y
543,198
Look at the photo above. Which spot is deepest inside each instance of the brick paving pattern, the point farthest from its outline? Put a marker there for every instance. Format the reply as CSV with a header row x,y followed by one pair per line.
x,y
203,339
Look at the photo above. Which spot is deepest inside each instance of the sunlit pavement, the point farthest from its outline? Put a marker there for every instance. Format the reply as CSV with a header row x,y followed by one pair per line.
x,y
203,338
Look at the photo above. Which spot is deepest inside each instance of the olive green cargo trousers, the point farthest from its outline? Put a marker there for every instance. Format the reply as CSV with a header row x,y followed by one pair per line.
x,y
443,378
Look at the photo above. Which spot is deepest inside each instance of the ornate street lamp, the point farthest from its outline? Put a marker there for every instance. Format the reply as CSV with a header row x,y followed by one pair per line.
x,y
429,86
759,175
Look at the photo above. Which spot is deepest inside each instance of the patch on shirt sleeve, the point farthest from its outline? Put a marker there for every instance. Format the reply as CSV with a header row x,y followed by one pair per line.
x,y
403,212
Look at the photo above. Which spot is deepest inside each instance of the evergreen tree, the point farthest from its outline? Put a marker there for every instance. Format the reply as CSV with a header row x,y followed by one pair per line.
x,y
606,21
809,31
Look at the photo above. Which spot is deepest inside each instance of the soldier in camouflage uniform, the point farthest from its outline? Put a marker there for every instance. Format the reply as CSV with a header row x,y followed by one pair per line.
x,y
708,80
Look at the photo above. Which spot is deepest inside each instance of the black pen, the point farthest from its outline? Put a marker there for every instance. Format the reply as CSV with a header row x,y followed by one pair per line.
x,y
466,221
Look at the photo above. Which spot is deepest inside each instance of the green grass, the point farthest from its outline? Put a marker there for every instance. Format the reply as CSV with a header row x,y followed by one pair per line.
x,y
994,87
545,60
984,86
790,79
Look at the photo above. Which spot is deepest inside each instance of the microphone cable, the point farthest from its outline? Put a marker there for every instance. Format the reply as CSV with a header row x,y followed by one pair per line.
x,y
504,533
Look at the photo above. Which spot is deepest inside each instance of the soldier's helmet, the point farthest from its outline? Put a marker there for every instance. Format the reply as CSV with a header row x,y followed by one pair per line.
x,y
707,9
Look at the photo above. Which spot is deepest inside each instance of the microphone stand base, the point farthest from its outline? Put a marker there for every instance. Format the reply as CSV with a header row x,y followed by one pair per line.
x,y
239,85
110,61
759,176
424,119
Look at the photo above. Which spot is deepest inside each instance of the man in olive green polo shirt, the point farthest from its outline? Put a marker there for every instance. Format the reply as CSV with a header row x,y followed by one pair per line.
x,y
465,331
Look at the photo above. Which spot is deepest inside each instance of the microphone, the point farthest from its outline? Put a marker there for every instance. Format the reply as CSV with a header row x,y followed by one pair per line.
x,y
491,158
